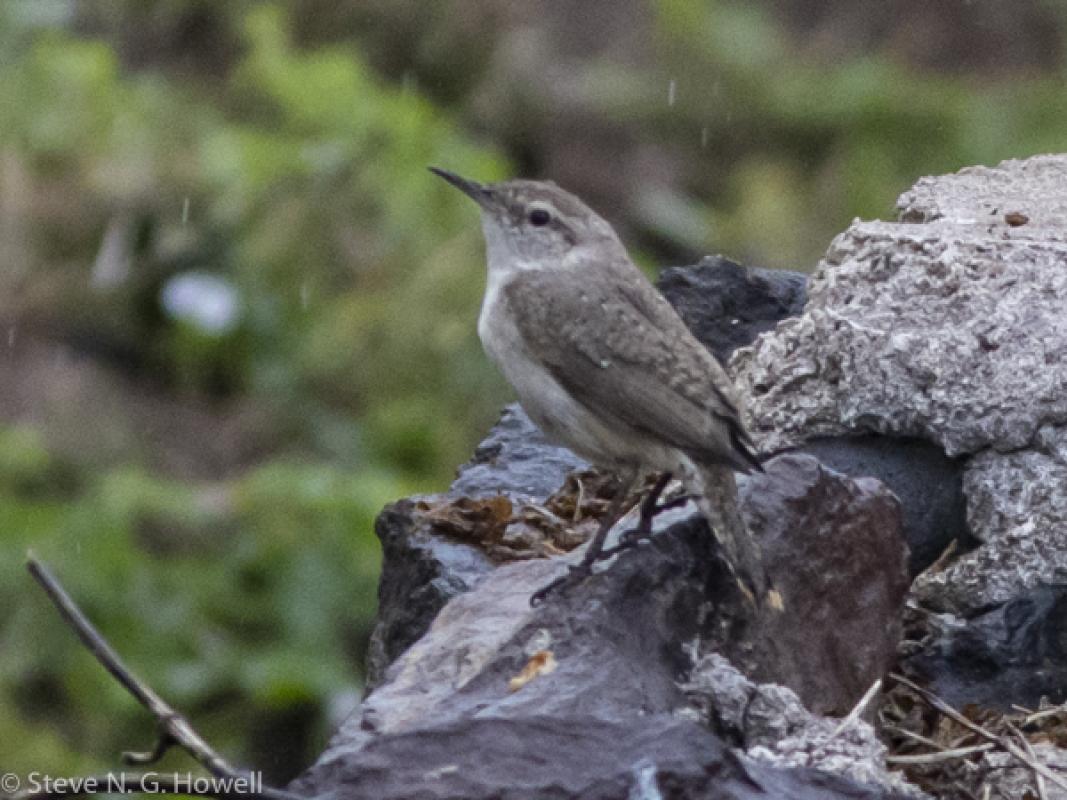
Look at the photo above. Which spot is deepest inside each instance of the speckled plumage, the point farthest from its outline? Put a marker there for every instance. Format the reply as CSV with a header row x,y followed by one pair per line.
x,y
600,360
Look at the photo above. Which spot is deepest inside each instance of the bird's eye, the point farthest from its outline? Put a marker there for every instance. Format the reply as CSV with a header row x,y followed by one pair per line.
x,y
539,217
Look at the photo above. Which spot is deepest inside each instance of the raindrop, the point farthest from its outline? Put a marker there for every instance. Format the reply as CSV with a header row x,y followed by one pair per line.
x,y
11,336
185,211
305,296
704,136
605,363
671,88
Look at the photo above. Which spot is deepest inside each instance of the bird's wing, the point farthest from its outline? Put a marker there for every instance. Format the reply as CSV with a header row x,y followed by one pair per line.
x,y
641,367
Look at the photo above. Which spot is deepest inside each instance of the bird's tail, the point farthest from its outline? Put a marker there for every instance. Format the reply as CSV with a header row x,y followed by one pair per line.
x,y
718,502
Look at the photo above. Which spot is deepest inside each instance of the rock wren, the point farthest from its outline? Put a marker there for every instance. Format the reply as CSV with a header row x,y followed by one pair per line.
x,y
603,364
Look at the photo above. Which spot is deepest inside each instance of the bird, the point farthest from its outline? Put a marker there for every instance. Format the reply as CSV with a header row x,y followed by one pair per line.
x,y
603,365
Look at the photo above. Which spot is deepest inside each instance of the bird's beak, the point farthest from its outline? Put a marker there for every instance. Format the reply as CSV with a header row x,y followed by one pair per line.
x,y
474,190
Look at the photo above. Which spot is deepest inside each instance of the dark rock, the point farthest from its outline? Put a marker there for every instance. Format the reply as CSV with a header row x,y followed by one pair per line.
x,y
421,571
515,460
726,305
561,757
835,550
928,484
1013,654
448,721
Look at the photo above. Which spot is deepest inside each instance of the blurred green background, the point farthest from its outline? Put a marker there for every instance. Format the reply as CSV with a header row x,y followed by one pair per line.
x,y
237,315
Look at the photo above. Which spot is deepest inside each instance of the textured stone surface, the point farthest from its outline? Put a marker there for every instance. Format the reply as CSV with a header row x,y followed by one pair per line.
x,y
835,551
619,642
928,330
1006,777
771,724
559,757
726,305
951,330
1015,653
1017,508
928,484
1036,187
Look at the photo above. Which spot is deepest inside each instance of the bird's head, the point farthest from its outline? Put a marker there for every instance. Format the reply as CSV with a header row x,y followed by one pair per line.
x,y
533,224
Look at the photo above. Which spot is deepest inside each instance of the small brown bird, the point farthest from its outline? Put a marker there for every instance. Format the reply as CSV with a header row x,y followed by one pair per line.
x,y
603,364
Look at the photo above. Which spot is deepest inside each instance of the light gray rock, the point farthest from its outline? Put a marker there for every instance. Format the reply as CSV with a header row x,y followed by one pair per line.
x,y
1017,508
919,330
1007,777
1033,186
948,326
769,724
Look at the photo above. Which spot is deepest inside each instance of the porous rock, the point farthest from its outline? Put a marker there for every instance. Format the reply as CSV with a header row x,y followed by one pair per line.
x,y
600,717
929,330
771,725
1017,509
1006,776
947,326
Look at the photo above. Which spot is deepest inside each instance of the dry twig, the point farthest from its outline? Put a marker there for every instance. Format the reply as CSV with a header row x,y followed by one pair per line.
x,y
174,729
1005,744
857,710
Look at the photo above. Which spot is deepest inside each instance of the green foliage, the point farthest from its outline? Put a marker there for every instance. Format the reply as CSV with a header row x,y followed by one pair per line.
x,y
297,174
802,144
257,593
302,181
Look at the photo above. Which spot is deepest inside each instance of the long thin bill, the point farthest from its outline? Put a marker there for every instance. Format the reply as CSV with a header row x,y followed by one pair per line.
x,y
472,189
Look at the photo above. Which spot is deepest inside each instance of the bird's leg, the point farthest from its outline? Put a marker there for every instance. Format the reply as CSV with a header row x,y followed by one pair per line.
x,y
584,568
649,508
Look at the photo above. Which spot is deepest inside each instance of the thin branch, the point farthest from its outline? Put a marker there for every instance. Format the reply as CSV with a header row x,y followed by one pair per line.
x,y
940,755
174,728
1042,791
857,710
1013,749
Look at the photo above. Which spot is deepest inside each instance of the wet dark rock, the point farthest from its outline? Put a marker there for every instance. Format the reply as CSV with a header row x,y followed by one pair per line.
x,y
1015,653
617,646
727,305
928,484
422,570
515,460
561,757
